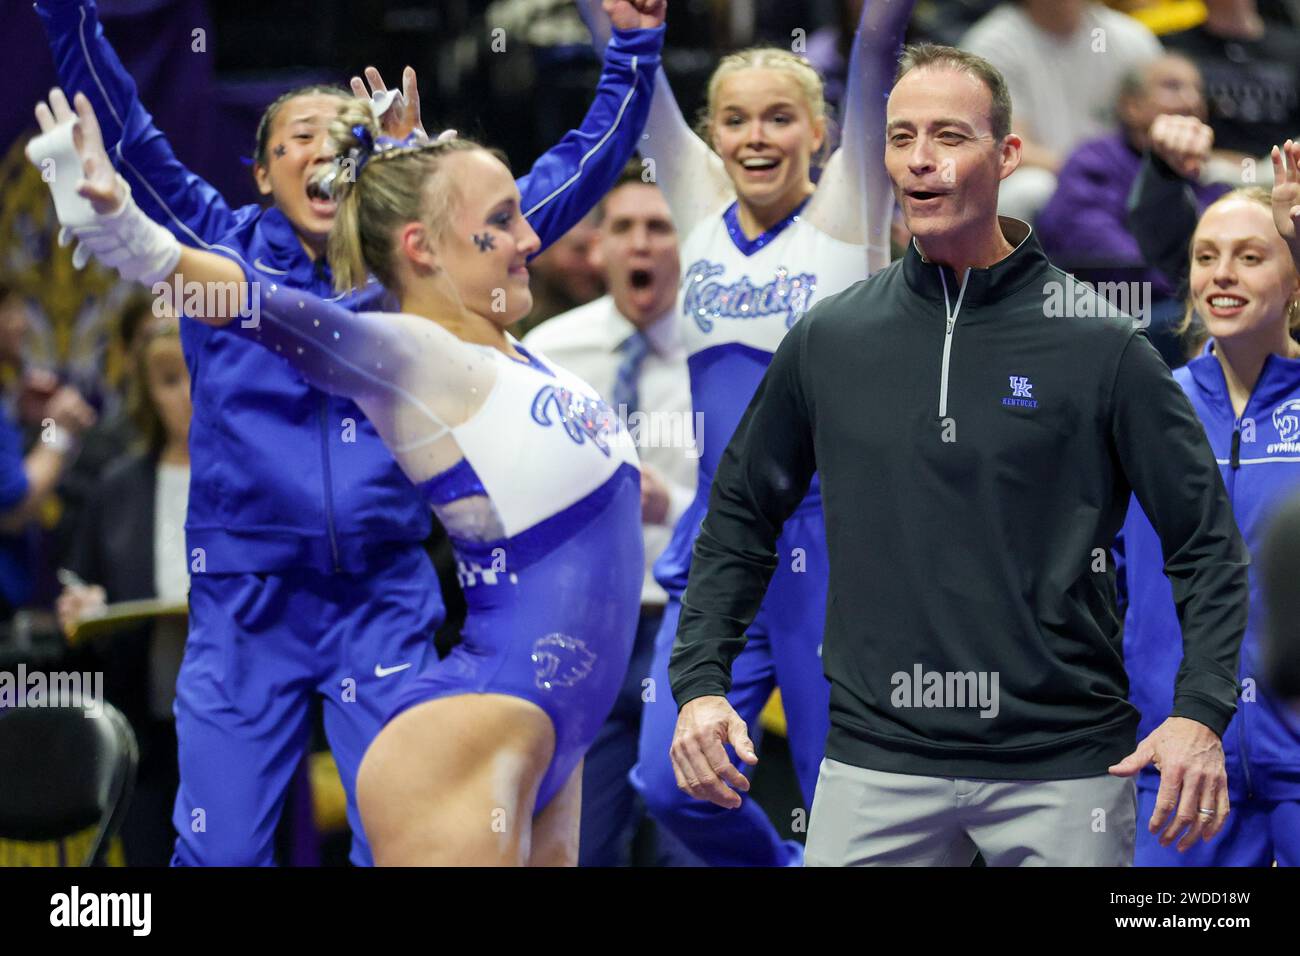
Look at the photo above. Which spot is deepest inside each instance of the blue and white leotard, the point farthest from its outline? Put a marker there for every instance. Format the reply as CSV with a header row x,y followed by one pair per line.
x,y
536,481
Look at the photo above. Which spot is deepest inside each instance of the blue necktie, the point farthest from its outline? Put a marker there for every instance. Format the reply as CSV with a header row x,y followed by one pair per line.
x,y
634,349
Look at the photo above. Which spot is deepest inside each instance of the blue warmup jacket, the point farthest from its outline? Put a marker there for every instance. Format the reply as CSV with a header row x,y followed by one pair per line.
x,y
1259,456
284,475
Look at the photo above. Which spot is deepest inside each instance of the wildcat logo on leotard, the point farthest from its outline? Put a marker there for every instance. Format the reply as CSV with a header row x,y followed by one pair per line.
x,y
581,416
561,661
706,301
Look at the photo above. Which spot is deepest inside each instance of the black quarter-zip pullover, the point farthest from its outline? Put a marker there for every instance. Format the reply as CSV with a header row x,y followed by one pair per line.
x,y
977,442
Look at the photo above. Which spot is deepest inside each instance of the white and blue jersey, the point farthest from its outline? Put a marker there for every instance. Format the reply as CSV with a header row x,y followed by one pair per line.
x,y
740,296
536,481
738,299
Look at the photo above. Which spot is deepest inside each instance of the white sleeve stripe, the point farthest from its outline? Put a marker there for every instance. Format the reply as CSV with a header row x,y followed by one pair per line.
x,y
90,65
117,149
591,152
181,224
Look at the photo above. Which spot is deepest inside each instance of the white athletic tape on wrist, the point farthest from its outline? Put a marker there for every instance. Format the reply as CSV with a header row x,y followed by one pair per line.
x,y
57,148
80,252
130,242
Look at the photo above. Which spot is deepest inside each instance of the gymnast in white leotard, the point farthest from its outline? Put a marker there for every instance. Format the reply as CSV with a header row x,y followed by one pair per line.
x,y
532,474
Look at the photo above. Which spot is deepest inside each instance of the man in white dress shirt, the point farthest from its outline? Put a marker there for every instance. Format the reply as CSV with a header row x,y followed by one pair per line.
x,y
626,346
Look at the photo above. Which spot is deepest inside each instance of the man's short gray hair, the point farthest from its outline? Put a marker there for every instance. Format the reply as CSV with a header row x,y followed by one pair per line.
x,y
920,55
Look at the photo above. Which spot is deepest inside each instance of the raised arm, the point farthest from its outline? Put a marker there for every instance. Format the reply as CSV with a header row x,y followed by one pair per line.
x,y
1162,209
689,173
412,378
1286,195
167,192
854,201
1161,215
569,179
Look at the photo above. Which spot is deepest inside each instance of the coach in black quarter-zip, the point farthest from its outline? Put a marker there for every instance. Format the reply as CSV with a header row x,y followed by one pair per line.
x,y
978,422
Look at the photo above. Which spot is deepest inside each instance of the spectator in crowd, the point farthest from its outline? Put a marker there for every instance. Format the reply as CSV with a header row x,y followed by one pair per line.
x,y
1064,61
130,544
626,345
27,481
1084,226
1250,67
1161,217
111,436
563,276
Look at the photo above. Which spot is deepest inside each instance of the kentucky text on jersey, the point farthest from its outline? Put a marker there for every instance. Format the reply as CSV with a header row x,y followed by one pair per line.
x,y
579,414
706,301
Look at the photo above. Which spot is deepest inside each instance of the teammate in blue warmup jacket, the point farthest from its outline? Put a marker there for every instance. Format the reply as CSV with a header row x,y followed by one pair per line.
x,y
307,573
1245,388
531,472
761,244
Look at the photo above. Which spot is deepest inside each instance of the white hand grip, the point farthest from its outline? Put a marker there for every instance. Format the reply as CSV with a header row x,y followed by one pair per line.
x,y
55,155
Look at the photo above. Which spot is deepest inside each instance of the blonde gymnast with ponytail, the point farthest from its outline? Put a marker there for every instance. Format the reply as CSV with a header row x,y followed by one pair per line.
x,y
533,476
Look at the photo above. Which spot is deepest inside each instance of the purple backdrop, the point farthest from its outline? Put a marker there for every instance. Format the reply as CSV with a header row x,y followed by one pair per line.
x,y
209,124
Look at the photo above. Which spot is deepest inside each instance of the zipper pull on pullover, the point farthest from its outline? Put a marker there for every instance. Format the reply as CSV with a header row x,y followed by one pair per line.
x,y
947,336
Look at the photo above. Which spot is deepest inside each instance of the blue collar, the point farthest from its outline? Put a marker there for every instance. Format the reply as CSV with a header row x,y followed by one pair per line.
x,y
283,254
750,246
278,252
1278,379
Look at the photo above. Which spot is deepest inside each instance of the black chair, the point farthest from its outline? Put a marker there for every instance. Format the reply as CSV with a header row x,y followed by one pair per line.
x,y
62,772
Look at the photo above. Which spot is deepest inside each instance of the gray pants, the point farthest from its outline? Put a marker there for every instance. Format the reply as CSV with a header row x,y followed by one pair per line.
x,y
869,818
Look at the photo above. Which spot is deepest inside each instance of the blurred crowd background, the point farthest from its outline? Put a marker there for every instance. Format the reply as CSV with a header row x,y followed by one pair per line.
x,y
82,349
